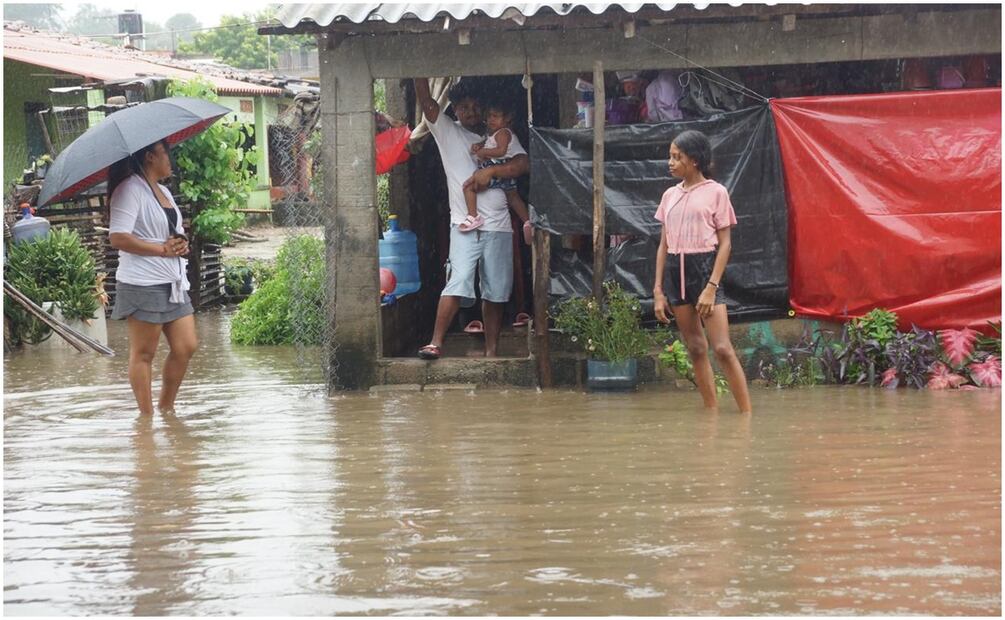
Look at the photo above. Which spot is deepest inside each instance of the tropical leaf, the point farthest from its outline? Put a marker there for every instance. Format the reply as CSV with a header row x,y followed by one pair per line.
x,y
944,378
958,344
987,373
890,379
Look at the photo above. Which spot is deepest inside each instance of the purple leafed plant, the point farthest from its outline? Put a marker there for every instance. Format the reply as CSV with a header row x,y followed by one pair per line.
x,y
910,356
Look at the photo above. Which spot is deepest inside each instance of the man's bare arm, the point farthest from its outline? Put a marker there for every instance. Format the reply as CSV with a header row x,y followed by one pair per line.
x,y
514,168
430,108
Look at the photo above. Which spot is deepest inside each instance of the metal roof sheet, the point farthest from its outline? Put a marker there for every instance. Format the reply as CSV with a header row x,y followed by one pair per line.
x,y
101,62
291,15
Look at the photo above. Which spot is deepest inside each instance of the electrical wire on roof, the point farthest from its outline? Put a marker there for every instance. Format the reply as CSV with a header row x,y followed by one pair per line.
x,y
729,84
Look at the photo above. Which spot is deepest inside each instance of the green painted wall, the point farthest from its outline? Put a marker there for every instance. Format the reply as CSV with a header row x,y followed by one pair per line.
x,y
22,83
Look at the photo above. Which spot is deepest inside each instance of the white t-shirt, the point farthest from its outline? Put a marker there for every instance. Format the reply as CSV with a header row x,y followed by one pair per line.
x,y
459,164
514,148
135,210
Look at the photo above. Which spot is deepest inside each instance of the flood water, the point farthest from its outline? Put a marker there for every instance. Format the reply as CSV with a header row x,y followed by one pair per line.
x,y
265,497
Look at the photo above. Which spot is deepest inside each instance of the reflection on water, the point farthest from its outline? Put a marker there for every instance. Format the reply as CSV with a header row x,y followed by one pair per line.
x,y
264,497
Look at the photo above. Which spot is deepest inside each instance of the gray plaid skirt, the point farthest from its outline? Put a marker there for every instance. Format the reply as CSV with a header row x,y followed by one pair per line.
x,y
150,304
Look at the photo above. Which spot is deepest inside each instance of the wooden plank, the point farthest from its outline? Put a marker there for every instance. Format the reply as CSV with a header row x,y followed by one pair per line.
x,y
599,228
542,286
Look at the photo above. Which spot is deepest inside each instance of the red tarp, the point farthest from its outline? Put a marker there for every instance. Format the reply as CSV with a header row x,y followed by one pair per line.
x,y
895,202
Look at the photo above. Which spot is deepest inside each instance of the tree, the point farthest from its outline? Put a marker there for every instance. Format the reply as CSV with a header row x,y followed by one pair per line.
x,y
236,42
90,20
183,24
160,40
41,16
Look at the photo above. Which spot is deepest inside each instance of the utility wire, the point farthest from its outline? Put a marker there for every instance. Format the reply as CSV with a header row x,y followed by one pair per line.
x,y
730,83
148,34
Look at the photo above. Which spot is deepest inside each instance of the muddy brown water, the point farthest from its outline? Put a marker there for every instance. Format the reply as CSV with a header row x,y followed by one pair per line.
x,y
264,497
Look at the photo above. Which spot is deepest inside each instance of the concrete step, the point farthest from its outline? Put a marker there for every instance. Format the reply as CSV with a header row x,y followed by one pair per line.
x,y
512,343
481,372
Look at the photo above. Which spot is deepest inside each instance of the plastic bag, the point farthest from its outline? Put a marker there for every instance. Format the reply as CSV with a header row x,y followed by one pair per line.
x,y
390,146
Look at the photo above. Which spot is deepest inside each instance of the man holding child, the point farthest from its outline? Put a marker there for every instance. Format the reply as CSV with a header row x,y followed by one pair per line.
x,y
488,248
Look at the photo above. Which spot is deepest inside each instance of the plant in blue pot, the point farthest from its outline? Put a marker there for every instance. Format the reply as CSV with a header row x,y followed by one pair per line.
x,y
611,335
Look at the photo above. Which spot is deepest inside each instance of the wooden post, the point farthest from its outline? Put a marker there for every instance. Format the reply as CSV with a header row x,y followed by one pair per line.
x,y
542,285
599,234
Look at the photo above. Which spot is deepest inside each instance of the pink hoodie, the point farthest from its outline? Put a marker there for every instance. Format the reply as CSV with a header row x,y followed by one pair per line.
x,y
691,218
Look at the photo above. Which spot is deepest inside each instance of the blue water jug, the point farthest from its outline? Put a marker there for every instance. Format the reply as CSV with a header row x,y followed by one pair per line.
x,y
399,252
29,227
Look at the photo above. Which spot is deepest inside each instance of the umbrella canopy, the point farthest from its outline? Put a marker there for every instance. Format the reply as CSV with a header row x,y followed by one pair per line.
x,y
86,161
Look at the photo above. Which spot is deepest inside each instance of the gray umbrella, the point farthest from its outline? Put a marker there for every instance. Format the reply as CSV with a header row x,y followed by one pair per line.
x,y
86,161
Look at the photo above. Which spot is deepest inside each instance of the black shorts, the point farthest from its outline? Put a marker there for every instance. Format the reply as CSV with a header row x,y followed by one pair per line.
x,y
697,273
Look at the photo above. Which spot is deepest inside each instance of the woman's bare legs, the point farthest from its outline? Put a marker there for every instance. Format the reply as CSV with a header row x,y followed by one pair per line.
x,y
693,335
718,334
183,341
143,339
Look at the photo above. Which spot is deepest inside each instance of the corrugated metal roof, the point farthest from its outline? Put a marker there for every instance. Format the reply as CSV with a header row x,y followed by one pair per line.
x,y
102,63
291,15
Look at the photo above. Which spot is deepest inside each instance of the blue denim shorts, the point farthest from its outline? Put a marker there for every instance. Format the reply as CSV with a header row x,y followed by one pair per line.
x,y
491,253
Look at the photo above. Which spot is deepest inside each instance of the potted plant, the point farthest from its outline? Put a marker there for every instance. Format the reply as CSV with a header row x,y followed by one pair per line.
x,y
610,333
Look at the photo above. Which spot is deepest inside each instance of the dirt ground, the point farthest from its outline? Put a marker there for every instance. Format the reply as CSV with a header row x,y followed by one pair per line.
x,y
272,237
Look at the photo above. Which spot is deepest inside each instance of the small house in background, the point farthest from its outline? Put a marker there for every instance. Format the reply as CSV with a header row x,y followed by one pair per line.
x,y
63,80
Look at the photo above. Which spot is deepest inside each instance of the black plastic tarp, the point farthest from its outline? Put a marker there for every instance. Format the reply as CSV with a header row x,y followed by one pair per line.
x,y
747,162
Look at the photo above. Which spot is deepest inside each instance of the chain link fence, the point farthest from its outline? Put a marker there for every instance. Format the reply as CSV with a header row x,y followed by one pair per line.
x,y
296,163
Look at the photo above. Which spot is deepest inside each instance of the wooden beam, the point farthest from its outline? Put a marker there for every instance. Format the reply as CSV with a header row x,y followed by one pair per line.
x,y
599,229
542,286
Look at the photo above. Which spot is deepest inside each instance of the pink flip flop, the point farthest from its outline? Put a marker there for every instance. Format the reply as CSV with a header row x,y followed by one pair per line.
x,y
521,319
474,327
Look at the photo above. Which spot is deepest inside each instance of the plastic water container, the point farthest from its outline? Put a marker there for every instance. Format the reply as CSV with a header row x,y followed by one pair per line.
x,y
398,251
29,227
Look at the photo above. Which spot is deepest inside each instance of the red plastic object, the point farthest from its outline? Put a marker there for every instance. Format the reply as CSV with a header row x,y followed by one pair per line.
x,y
895,202
391,149
387,281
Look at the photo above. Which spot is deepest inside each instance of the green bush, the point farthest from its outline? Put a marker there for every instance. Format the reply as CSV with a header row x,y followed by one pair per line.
x,y
287,308
53,268
609,331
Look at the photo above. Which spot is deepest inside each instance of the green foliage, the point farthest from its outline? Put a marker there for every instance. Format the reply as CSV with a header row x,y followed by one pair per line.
x,y
236,42
184,24
878,324
91,20
215,170
675,357
991,344
236,269
608,330
384,198
44,16
293,296
54,268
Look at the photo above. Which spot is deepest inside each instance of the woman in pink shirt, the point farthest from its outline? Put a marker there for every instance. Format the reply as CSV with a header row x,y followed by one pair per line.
x,y
697,215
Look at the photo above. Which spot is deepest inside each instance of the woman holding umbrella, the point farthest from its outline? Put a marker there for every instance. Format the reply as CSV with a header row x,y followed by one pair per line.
x,y
129,149
151,279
